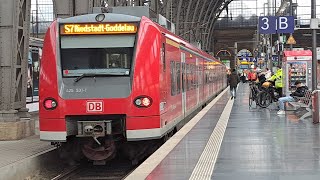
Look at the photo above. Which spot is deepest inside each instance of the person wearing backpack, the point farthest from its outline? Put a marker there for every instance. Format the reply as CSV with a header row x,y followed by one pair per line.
x,y
234,80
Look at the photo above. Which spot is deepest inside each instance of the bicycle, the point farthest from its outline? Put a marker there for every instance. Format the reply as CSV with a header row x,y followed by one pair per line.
x,y
267,96
254,90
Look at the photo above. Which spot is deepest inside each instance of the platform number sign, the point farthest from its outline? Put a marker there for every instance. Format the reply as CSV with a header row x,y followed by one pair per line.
x,y
276,24
94,106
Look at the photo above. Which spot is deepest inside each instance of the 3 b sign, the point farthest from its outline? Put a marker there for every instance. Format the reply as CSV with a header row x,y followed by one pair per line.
x,y
276,24
94,106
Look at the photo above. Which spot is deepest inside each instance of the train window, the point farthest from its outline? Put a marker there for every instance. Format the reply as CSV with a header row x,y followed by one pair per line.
x,y
200,78
187,76
190,77
193,77
207,76
178,74
173,79
163,57
183,69
196,75
115,61
97,41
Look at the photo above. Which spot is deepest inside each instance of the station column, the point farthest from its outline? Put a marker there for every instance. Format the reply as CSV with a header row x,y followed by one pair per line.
x,y
14,47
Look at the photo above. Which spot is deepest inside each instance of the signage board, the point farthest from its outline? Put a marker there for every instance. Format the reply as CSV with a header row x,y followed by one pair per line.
x,y
275,58
244,53
267,25
291,40
98,28
276,24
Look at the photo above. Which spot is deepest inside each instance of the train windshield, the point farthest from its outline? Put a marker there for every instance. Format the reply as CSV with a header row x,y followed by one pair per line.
x,y
106,55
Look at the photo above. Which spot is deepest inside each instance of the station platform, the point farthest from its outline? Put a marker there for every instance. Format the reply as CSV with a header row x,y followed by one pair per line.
x,y
20,158
14,151
33,106
228,140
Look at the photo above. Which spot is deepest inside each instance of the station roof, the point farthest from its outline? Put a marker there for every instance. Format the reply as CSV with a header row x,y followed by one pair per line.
x,y
193,19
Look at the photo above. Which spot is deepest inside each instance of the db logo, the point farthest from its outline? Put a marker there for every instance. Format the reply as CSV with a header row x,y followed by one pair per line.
x,y
94,106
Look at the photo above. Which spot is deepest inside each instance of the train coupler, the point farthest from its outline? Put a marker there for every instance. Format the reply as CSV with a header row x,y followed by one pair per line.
x,y
94,129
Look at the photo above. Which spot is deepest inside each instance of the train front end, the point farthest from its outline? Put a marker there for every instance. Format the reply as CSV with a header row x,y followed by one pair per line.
x,y
89,101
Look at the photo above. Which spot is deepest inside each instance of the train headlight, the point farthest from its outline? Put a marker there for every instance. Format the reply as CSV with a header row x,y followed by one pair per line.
x,y
50,104
143,101
146,101
138,102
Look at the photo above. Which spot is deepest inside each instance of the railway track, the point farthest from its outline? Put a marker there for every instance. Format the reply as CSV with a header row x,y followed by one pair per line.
x,y
112,171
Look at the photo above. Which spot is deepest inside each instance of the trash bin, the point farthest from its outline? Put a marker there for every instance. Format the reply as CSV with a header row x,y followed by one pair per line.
x,y
315,106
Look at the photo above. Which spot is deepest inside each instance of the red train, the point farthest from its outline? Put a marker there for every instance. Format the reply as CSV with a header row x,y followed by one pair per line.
x,y
114,82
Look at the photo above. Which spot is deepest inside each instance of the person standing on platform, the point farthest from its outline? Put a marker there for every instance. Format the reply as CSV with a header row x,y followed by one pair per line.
x,y
267,73
234,80
277,78
254,76
228,76
249,75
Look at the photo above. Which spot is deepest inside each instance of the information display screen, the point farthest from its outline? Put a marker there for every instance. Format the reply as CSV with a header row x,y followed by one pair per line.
x,y
98,28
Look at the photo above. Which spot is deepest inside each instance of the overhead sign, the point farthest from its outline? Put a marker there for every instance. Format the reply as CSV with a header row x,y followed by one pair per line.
x,y
275,58
244,53
273,24
118,28
291,40
285,24
267,25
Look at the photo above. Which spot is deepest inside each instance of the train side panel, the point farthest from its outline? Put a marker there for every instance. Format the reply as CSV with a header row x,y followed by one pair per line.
x,y
171,109
145,123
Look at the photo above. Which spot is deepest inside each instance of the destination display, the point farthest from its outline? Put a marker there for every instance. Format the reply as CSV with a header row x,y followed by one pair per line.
x,y
116,28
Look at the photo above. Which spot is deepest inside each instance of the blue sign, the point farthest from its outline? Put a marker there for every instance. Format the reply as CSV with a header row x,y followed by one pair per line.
x,y
275,58
267,25
273,24
285,24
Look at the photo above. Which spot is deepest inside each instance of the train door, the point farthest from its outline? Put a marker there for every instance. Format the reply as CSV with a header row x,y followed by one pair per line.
x,y
198,81
183,73
163,80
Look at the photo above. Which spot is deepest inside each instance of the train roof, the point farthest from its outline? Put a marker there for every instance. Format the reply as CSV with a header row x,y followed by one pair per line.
x,y
109,17
181,41
114,17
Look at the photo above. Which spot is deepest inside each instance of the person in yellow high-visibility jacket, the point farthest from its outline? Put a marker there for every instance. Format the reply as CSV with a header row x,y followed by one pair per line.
x,y
277,78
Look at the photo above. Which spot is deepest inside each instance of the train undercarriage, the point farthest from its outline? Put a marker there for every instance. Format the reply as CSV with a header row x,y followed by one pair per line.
x,y
101,141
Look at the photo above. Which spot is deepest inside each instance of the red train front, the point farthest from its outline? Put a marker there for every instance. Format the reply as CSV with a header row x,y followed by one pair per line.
x,y
111,82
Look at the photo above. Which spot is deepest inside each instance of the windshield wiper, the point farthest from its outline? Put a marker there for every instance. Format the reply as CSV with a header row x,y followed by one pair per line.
x,y
93,75
84,75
